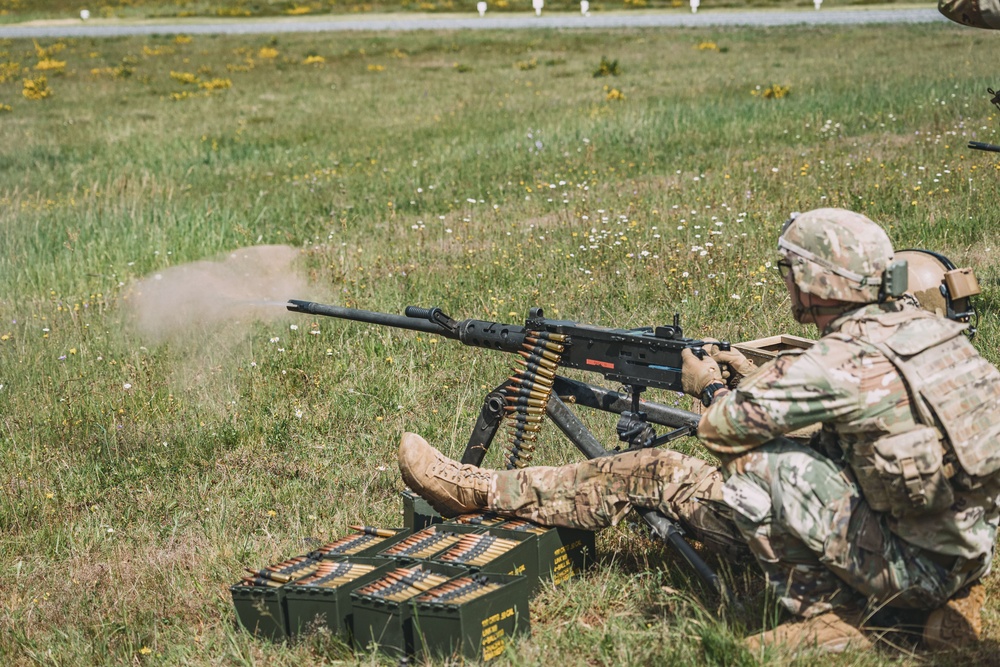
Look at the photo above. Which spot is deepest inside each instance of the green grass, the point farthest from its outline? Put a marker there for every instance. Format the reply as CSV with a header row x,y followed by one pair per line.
x,y
147,461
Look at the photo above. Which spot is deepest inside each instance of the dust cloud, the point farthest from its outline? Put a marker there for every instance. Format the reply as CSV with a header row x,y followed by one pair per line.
x,y
217,299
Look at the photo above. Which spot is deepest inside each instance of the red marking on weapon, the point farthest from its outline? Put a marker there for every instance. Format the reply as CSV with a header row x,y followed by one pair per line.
x,y
602,364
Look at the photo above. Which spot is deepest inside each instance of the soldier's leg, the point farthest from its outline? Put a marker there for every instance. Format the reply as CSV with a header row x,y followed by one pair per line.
x,y
817,540
598,493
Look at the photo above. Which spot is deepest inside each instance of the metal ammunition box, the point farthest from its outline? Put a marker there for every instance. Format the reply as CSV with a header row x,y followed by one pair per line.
x,y
388,625
261,610
486,519
308,607
417,512
479,629
561,553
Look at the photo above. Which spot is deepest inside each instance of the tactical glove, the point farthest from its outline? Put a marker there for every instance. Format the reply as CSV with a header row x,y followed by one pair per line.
x,y
696,374
736,366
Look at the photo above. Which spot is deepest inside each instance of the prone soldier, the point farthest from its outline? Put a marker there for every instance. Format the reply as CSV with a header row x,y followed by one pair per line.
x,y
893,503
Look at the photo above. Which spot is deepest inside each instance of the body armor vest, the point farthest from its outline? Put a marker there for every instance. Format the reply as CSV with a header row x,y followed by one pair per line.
x,y
956,397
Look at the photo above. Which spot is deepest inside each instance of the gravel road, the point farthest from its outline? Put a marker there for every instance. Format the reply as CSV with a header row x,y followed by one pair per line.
x,y
671,19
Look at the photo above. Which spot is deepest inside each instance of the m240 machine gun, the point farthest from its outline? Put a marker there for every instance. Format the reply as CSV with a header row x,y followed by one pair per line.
x,y
635,358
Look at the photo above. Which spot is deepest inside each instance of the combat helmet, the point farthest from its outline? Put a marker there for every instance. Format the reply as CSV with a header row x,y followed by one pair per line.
x,y
940,287
841,255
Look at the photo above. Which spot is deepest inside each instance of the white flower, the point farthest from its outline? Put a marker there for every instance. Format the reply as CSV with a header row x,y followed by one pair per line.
x,y
298,414
127,385
734,296
294,327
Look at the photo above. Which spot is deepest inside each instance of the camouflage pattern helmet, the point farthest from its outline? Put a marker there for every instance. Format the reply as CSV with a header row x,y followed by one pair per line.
x,y
836,254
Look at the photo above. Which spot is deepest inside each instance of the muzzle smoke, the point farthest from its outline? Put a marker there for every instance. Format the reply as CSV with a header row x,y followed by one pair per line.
x,y
218,298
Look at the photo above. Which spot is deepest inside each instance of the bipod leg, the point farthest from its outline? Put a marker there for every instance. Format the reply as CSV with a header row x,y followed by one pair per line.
x,y
490,417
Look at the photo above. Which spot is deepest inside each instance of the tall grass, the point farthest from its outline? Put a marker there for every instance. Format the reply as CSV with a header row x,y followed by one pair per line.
x,y
484,173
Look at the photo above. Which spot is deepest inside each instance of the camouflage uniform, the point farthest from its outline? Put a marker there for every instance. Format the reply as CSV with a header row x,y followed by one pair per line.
x,y
974,13
812,514
798,506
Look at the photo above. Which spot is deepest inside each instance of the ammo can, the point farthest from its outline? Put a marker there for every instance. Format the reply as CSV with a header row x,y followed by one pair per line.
x,y
261,610
309,606
479,629
417,512
561,553
387,625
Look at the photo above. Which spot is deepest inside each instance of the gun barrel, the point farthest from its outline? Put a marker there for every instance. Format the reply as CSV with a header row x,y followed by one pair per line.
x,y
371,317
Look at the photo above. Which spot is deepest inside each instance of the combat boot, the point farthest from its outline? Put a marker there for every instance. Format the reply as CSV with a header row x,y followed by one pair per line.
x,y
833,632
958,622
450,487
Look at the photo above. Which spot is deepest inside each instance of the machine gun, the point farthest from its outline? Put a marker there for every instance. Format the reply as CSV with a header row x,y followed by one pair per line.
x,y
635,358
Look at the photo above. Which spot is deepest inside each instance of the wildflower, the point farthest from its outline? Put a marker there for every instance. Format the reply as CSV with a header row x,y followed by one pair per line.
x,y
36,89
272,513
182,39
314,60
127,385
184,77
216,84
298,414
267,53
708,46
49,65
5,108
145,650
615,95
376,68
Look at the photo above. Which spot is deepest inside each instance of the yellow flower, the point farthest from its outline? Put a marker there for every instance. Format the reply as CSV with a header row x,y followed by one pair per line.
x,y
268,53
184,77
49,64
182,39
145,650
615,95
314,60
36,89
376,68
216,84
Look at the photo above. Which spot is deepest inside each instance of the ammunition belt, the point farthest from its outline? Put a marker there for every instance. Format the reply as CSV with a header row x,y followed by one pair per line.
x,y
528,393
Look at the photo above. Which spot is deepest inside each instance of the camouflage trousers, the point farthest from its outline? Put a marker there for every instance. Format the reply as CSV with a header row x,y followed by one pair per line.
x,y
798,512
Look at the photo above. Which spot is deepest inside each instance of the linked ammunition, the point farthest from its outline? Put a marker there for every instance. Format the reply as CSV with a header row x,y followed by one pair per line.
x,y
522,400
477,549
529,378
479,519
285,571
535,368
538,351
423,544
525,410
459,590
402,584
525,427
521,525
530,393
543,363
332,575
365,538
547,335
547,344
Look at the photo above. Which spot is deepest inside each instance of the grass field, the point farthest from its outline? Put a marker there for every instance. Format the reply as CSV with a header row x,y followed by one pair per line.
x,y
162,427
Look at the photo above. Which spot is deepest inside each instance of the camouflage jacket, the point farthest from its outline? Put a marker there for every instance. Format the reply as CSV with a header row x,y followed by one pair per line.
x,y
856,393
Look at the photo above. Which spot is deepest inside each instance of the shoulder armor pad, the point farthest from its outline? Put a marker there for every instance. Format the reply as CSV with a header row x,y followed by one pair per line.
x,y
916,335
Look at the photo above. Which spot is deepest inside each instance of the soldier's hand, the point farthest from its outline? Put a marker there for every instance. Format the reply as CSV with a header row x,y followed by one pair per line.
x,y
736,366
696,374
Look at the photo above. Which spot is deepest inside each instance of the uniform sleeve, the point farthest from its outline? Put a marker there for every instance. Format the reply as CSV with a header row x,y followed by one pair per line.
x,y
789,393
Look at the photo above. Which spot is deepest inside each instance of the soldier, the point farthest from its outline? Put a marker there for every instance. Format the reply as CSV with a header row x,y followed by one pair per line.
x,y
893,503
974,13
